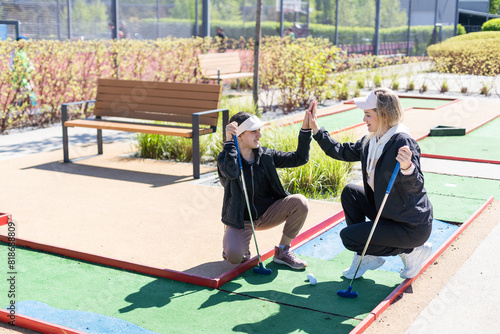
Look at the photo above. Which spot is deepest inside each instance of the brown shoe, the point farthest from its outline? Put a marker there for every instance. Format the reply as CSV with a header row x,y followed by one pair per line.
x,y
285,256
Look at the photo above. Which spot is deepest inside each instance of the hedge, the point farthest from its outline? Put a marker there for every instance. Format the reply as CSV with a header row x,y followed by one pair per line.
x,y
420,35
491,25
474,53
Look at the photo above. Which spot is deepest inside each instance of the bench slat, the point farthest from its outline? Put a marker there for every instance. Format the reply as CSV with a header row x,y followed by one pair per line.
x,y
160,85
129,127
165,102
228,62
231,76
134,93
182,115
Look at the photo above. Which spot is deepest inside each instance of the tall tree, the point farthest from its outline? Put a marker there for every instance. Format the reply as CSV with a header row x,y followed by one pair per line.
x,y
494,6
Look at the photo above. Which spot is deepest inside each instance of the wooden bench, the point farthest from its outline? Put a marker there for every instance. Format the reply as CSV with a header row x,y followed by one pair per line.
x,y
220,66
128,105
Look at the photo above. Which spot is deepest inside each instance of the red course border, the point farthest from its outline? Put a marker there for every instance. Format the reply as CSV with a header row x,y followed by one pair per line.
x,y
36,324
5,218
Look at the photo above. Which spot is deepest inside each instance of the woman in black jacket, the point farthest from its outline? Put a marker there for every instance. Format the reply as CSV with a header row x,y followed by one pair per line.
x,y
406,220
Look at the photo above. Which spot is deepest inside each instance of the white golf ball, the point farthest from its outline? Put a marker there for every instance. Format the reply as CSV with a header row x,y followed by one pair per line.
x,y
312,279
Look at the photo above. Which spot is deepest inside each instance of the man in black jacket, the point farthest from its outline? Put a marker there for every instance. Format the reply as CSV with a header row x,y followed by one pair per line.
x,y
270,204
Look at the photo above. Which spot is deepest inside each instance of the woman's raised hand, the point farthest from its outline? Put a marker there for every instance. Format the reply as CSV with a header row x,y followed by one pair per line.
x,y
311,115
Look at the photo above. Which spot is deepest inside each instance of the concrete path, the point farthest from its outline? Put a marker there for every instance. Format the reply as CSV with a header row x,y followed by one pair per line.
x,y
23,142
468,303
461,168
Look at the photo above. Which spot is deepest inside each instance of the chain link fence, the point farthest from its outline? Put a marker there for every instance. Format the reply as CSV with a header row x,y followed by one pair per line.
x,y
405,25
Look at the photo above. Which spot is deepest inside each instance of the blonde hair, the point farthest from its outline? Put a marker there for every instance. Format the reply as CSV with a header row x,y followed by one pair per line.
x,y
389,111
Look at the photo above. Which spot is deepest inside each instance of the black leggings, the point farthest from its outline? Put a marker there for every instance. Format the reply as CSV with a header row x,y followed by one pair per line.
x,y
390,237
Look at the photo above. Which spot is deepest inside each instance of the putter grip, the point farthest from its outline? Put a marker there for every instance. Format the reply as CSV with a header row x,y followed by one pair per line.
x,y
393,178
235,139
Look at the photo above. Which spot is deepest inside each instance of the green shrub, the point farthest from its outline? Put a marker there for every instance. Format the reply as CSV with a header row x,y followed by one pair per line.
x,y
461,30
474,53
360,82
298,70
410,86
444,86
321,178
377,80
342,91
152,146
491,25
485,89
423,88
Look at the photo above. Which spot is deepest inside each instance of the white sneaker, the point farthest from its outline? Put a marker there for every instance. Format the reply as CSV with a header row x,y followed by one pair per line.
x,y
369,262
413,261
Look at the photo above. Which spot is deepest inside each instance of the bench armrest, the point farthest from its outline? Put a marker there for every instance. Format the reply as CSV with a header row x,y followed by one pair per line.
x,y
196,119
64,109
196,136
210,111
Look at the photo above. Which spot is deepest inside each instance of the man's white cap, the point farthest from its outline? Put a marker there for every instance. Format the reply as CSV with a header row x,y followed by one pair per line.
x,y
250,124
367,102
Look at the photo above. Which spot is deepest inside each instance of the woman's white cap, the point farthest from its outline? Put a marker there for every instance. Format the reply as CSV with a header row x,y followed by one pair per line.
x,y
367,102
251,124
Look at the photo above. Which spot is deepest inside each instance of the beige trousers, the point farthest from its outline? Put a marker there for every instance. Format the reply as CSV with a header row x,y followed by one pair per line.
x,y
292,210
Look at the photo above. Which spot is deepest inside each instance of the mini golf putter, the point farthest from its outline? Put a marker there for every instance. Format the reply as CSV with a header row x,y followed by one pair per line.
x,y
353,294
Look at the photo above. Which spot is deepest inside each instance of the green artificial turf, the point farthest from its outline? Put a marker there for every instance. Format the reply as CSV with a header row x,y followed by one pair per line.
x,y
289,286
285,303
481,143
456,198
340,120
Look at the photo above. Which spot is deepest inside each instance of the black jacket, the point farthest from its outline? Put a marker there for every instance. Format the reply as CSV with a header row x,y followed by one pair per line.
x,y
407,201
266,162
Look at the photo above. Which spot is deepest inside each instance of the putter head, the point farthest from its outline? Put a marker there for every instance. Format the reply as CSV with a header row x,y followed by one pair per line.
x,y
347,293
261,270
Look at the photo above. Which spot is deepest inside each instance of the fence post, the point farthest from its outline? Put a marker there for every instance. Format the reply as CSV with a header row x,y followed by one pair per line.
x,y
409,27
68,3
205,18
377,27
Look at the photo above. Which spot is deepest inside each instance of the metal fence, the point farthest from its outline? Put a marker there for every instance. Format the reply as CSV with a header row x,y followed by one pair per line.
x,y
152,19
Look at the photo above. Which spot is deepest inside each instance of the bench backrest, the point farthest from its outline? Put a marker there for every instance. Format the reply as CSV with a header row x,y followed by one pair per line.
x,y
155,100
228,62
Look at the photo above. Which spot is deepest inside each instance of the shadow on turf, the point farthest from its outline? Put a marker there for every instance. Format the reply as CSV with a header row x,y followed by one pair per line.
x,y
292,292
211,269
158,293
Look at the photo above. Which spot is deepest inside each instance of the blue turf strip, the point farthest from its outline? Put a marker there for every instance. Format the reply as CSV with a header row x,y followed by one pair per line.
x,y
87,322
328,245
